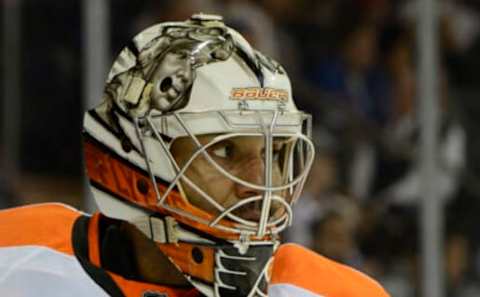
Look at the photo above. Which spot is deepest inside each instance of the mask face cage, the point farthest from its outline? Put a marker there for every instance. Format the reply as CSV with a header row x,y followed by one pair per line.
x,y
287,153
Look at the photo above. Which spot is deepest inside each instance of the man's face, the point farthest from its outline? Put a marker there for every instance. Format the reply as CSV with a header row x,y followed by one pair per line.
x,y
174,75
242,157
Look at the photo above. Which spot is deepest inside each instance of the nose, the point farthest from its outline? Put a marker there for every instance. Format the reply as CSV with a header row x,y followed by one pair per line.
x,y
251,171
184,74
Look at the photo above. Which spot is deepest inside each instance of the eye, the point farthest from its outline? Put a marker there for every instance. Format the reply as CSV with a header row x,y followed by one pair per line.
x,y
223,151
182,54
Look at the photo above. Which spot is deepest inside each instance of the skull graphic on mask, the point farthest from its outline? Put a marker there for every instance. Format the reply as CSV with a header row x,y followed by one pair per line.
x,y
179,52
161,74
172,80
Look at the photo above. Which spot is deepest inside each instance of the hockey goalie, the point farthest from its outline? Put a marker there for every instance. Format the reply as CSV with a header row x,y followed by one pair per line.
x,y
195,157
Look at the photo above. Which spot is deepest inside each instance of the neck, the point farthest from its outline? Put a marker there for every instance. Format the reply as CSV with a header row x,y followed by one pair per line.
x,y
127,251
152,263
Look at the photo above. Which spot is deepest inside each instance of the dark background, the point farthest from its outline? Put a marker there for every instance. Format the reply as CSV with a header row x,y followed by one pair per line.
x,y
353,65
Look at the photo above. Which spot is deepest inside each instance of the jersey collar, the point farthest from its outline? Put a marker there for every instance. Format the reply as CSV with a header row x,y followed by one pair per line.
x,y
87,248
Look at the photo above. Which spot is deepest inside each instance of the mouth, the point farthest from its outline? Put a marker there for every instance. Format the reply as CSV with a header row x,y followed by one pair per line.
x,y
253,211
250,212
175,89
178,85
251,215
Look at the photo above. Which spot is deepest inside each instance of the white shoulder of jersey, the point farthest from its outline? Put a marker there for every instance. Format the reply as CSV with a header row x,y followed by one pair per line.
x,y
29,271
288,290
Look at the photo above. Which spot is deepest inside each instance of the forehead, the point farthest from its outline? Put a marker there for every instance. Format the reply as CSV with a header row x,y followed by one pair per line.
x,y
245,143
240,140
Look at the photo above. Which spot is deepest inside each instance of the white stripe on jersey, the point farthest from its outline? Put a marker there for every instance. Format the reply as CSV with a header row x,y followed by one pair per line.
x,y
30,271
289,290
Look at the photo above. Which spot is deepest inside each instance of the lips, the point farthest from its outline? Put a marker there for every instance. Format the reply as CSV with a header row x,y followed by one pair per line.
x,y
175,89
253,211
252,215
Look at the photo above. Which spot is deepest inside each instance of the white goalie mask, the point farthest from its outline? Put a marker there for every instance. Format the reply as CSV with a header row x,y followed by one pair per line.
x,y
201,82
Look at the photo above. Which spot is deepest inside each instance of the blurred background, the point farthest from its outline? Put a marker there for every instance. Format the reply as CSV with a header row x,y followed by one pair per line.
x,y
353,65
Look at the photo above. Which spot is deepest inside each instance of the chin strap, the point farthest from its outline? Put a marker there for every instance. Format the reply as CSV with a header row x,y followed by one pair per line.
x,y
158,229
219,271
215,269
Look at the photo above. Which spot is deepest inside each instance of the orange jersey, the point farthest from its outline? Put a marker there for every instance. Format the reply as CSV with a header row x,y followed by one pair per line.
x,y
300,272
53,250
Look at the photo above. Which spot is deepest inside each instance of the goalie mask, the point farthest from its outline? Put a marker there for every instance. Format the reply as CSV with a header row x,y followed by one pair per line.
x,y
199,144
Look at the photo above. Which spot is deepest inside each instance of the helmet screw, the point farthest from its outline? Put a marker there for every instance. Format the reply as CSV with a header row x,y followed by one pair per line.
x,y
197,255
126,145
142,186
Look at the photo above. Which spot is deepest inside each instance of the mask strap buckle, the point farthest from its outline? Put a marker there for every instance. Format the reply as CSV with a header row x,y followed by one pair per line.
x,y
160,230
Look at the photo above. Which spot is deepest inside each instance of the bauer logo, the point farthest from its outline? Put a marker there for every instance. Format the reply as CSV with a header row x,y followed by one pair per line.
x,y
261,94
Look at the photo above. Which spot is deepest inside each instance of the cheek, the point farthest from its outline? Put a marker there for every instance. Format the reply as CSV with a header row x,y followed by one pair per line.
x,y
276,175
278,180
210,180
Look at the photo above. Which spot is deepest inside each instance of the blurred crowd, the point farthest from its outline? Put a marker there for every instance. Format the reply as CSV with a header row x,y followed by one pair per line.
x,y
353,65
